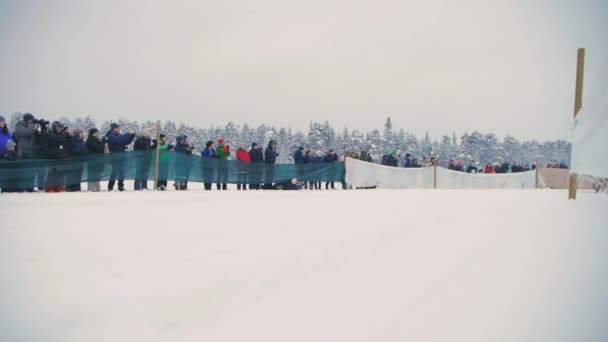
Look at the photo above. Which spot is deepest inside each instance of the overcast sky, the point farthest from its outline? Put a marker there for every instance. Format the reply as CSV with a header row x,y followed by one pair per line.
x,y
505,66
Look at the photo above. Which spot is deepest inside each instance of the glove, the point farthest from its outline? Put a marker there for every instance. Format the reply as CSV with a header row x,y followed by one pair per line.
x,y
104,140
170,147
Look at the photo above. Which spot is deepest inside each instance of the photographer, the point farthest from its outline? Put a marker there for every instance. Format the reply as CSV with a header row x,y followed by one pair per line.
x,y
117,144
31,135
145,145
58,142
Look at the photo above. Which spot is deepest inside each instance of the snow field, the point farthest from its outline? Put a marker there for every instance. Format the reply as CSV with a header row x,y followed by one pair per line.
x,y
367,265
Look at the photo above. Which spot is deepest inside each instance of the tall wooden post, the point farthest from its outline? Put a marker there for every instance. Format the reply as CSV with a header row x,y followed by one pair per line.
x,y
157,159
578,103
344,155
536,176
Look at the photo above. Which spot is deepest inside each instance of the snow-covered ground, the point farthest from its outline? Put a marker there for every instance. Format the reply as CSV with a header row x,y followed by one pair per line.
x,y
367,265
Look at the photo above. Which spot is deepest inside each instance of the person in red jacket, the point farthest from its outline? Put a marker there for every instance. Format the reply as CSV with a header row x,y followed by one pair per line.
x,y
489,168
243,159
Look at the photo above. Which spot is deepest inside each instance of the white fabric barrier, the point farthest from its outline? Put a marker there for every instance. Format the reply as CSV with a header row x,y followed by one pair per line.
x,y
364,174
448,179
589,142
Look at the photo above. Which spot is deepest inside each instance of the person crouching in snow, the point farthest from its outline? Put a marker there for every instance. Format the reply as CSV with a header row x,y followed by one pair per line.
x,y
243,158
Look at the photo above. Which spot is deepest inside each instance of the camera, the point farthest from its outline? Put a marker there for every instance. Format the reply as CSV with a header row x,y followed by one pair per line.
x,y
40,121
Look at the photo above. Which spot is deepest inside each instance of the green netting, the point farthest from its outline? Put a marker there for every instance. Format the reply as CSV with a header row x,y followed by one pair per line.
x,y
24,174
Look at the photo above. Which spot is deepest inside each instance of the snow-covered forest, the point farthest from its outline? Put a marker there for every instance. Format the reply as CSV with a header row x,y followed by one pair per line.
x,y
478,146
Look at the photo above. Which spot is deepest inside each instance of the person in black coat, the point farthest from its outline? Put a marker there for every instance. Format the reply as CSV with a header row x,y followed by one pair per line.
x,y
57,148
117,144
330,157
145,146
182,162
255,175
77,149
95,164
270,157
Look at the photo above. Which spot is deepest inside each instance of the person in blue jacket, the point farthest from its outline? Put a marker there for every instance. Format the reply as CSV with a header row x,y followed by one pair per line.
x,y
117,144
208,167
408,160
5,135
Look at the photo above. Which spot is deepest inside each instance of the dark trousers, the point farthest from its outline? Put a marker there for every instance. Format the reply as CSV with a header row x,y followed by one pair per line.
x,y
241,181
118,172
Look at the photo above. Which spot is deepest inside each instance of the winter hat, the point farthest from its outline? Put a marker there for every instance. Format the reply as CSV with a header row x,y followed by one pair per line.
x,y
10,145
407,155
209,143
162,135
319,153
227,149
114,126
27,117
300,148
2,118
460,163
393,153
220,140
254,144
242,146
93,131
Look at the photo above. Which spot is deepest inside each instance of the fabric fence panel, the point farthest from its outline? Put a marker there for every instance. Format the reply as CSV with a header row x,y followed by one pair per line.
x,y
558,179
448,179
363,174
26,174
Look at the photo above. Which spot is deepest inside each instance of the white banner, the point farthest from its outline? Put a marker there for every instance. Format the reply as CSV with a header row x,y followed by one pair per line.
x,y
364,174
448,179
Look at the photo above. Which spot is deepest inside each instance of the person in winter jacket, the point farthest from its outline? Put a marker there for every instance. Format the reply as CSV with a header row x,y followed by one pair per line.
x,y
182,162
208,167
504,168
489,168
5,135
309,159
391,159
299,155
408,161
243,158
317,160
145,147
270,157
472,167
257,157
95,164
332,157
10,181
77,148
163,162
31,136
58,142
222,167
117,144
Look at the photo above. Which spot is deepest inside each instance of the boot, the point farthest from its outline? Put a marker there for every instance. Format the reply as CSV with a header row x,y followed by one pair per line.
x,y
121,186
111,185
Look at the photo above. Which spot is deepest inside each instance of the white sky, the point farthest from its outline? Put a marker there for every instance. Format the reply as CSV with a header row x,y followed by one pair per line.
x,y
505,66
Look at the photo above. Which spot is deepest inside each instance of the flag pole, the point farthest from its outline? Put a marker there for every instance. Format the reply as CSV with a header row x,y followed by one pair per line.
x,y
578,103
157,159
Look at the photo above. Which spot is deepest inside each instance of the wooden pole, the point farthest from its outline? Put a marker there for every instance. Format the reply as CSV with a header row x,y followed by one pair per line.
x,y
578,103
344,153
157,160
435,176
536,176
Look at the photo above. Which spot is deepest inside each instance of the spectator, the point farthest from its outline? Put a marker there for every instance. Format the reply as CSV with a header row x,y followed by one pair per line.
x,y
489,168
31,138
460,166
270,157
117,144
257,157
208,153
391,159
5,135
504,168
9,183
415,163
77,148
471,168
243,158
331,157
222,169
562,165
94,166
163,163
182,163
452,165
408,160
58,142
145,145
